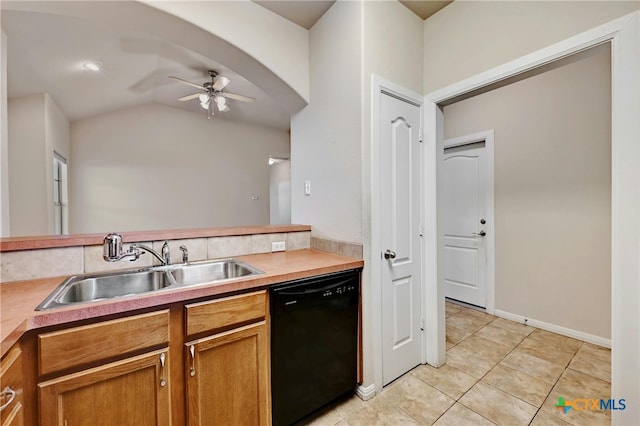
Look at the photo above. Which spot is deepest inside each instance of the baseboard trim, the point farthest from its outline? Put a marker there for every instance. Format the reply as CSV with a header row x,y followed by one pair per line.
x,y
569,332
365,393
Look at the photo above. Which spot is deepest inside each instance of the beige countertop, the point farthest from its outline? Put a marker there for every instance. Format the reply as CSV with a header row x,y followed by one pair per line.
x,y
19,299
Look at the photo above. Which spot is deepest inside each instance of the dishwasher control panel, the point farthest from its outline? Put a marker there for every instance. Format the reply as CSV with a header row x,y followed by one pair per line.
x,y
338,291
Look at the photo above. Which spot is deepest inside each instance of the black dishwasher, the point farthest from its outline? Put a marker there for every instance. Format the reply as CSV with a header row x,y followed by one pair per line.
x,y
314,343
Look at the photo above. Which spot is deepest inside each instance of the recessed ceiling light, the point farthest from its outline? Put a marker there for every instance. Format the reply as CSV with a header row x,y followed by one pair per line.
x,y
93,66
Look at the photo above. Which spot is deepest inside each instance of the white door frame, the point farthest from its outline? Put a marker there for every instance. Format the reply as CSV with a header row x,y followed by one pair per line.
x,y
485,136
379,86
624,35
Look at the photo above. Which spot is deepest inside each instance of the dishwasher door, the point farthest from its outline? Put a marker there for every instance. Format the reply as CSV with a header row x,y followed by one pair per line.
x,y
314,343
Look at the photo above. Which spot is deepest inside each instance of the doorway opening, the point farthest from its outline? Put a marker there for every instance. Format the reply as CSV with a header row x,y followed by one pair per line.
x,y
552,178
625,205
279,189
60,195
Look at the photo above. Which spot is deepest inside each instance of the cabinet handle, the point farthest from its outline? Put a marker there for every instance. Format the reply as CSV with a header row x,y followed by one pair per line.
x,y
163,381
192,351
10,393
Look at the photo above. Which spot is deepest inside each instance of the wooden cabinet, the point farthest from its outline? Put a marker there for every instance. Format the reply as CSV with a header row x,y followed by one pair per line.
x,y
227,373
95,374
117,372
77,346
12,413
227,378
133,391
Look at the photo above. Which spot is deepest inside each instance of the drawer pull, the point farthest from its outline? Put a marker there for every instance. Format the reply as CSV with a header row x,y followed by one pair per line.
x,y
10,393
163,381
192,351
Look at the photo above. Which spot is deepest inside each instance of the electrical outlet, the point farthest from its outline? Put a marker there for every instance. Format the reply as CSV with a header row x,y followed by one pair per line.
x,y
278,246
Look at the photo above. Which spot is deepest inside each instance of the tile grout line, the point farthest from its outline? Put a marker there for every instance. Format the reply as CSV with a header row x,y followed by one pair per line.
x,y
491,369
538,409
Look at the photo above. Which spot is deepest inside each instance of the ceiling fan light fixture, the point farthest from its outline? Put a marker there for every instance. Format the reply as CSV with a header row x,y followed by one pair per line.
x,y
205,100
212,91
221,102
92,66
222,82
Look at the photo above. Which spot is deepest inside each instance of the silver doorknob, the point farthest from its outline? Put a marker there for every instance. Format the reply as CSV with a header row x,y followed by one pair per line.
x,y
389,254
480,234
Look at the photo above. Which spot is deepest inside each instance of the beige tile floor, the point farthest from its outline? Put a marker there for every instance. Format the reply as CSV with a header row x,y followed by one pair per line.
x,y
497,372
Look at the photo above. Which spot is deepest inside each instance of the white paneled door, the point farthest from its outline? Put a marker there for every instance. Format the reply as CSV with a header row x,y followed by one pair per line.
x,y
466,221
400,236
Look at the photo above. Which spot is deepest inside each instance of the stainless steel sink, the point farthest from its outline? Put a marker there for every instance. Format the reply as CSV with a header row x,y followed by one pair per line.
x,y
211,271
95,287
92,288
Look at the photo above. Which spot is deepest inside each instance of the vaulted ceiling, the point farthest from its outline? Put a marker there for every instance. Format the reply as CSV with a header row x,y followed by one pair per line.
x,y
307,12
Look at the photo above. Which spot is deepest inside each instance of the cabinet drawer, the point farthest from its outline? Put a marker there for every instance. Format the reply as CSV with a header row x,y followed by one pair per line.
x,y
63,349
228,311
10,382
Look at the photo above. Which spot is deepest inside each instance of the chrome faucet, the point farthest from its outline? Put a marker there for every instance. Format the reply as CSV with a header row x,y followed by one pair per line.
x,y
112,250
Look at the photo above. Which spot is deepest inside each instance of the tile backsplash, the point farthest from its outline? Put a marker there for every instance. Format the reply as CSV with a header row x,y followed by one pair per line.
x,y
33,264
342,248
56,262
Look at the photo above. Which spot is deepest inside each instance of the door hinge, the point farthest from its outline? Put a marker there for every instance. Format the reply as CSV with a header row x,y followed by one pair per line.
x,y
420,135
421,323
421,230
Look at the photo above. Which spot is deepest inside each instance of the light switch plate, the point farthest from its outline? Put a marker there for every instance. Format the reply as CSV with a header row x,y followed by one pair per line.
x,y
278,246
307,187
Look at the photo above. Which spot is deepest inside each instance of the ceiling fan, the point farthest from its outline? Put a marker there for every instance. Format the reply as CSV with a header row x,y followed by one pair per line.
x,y
213,92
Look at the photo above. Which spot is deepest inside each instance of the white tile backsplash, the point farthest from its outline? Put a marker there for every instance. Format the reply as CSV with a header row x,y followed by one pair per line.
x,y
261,243
54,262
298,240
229,246
42,263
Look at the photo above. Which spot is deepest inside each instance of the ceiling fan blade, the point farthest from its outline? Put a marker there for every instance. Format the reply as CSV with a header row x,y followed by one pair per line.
x,y
197,86
189,97
221,83
238,97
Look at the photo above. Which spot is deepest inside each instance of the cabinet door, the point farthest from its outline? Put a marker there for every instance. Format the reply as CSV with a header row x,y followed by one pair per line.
x,y
228,378
134,391
11,412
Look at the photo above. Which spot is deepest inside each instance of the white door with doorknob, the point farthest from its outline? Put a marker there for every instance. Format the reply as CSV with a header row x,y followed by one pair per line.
x,y
467,192
400,236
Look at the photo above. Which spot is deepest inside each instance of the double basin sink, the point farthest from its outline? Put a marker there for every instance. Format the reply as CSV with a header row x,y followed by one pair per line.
x,y
95,287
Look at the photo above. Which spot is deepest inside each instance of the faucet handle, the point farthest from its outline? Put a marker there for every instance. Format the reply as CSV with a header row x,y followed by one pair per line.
x,y
185,254
165,252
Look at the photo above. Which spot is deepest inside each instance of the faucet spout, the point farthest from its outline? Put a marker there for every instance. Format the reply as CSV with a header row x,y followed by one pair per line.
x,y
137,247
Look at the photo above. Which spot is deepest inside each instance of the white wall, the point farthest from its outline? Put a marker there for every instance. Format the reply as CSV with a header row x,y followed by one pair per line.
x,y
37,127
552,191
157,167
326,135
468,37
27,169
5,226
56,129
280,193
331,137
